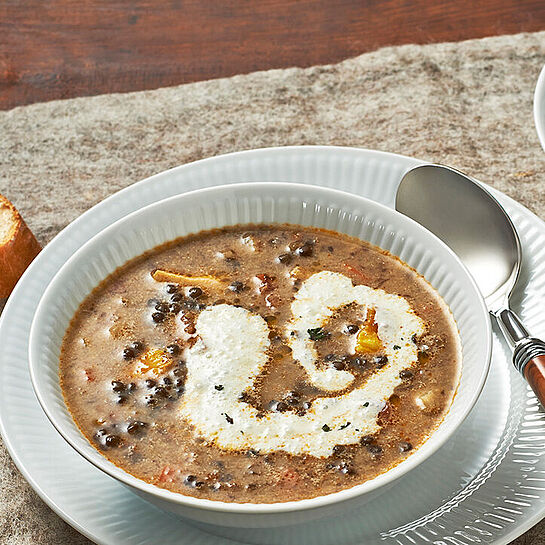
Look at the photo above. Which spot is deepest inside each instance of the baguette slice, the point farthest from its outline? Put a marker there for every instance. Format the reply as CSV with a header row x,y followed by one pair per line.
x,y
18,247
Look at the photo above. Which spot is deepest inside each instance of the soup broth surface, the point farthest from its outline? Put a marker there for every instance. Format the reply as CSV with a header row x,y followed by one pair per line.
x,y
260,363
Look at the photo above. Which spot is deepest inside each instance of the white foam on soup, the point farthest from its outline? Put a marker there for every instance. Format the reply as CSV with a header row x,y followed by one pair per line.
x,y
232,352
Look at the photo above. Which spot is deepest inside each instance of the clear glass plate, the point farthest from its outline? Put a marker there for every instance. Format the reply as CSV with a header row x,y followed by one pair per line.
x,y
485,485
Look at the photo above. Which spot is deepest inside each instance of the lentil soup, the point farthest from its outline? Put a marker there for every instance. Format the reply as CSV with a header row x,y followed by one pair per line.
x,y
260,363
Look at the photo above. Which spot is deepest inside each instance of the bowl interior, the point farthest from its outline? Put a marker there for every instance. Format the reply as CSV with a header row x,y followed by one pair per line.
x,y
258,203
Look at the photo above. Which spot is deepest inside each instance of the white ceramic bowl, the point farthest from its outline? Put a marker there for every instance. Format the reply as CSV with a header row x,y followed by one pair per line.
x,y
267,203
539,107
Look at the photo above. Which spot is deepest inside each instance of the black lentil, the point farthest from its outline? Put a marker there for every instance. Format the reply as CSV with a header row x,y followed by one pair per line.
x,y
137,346
112,440
236,286
195,293
285,259
374,449
118,386
173,349
128,354
136,427
380,361
351,329
162,307
278,406
174,308
306,249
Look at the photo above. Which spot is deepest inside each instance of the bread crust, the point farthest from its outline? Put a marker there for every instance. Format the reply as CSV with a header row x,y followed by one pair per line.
x,y
17,252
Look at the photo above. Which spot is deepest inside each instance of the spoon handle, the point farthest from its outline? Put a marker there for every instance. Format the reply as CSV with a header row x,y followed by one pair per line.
x,y
528,353
534,373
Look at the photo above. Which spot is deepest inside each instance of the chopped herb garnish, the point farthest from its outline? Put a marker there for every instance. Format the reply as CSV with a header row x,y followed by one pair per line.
x,y
396,347
219,387
344,426
228,418
366,404
317,333
325,427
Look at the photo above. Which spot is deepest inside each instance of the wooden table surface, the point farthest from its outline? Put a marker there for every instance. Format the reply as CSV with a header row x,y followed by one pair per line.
x,y
66,48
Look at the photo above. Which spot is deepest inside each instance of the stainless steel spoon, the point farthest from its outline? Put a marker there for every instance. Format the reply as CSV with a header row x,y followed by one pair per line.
x,y
461,212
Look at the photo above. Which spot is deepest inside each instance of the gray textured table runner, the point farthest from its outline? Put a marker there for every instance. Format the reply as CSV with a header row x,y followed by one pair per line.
x,y
465,104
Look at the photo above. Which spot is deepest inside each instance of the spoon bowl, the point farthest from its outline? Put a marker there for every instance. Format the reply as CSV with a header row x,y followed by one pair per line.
x,y
461,212
471,221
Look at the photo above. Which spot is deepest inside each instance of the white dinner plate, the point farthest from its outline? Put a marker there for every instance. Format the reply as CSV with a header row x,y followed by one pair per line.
x,y
487,484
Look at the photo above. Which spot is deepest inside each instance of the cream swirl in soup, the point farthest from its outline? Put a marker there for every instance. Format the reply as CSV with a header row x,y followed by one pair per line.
x,y
232,352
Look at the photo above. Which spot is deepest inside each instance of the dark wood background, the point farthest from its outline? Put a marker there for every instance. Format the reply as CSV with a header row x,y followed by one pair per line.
x,y
53,49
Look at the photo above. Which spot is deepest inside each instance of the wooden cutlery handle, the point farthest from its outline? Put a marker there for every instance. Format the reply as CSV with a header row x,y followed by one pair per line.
x,y
534,373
